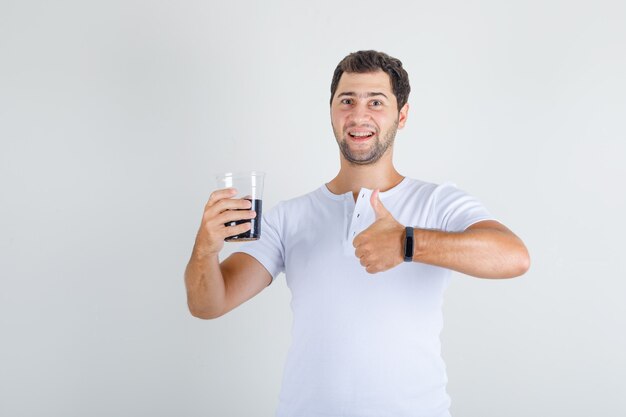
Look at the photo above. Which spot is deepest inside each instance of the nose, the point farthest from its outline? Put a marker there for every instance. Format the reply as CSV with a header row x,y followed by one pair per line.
x,y
360,114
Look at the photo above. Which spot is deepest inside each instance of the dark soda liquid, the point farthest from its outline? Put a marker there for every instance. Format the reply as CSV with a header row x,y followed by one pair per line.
x,y
255,231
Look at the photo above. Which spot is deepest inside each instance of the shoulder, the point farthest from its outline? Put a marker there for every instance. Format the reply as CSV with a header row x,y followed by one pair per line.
x,y
429,204
422,192
293,206
432,191
413,186
300,202
450,208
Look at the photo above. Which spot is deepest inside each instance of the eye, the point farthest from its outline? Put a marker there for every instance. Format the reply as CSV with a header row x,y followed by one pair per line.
x,y
346,101
376,103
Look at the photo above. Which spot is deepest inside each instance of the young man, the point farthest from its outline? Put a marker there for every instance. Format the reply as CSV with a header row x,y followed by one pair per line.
x,y
367,258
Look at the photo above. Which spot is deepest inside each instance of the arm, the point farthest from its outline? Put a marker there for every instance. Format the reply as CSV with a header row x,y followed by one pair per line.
x,y
213,289
486,249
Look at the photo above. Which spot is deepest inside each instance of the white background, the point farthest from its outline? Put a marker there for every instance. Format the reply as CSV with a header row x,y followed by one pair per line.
x,y
115,116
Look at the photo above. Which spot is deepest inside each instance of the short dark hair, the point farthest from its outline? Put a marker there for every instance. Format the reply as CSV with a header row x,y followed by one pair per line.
x,y
372,61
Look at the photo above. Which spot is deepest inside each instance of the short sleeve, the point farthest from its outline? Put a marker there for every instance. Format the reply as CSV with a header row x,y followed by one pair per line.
x,y
269,249
456,210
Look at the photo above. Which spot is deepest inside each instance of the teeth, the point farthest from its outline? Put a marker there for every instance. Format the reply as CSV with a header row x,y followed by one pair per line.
x,y
361,134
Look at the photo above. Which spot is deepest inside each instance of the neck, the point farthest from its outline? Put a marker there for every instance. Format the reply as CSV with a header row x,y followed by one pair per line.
x,y
381,175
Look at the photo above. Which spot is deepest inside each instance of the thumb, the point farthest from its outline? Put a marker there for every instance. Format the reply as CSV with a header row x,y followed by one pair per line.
x,y
380,210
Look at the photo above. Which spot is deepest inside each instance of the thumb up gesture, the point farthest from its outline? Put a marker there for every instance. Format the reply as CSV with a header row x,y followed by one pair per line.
x,y
380,246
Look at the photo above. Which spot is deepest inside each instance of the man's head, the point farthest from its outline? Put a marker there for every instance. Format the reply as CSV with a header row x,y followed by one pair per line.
x,y
368,105
372,61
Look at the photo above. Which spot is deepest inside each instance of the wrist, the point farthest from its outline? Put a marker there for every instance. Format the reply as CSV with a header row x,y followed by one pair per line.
x,y
423,241
203,251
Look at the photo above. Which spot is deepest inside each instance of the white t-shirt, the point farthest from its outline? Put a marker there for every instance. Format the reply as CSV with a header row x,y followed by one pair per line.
x,y
363,344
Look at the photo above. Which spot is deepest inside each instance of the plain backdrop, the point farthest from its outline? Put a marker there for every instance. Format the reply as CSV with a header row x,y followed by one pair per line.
x,y
116,115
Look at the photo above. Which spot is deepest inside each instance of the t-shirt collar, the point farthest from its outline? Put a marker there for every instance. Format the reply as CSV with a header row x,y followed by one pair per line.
x,y
389,192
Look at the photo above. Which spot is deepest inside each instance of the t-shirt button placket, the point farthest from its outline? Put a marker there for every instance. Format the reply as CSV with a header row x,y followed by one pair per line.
x,y
358,215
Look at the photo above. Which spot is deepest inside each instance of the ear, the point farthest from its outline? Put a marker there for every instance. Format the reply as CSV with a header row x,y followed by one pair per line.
x,y
404,113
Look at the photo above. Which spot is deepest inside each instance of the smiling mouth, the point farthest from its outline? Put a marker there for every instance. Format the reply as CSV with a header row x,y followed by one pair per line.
x,y
360,136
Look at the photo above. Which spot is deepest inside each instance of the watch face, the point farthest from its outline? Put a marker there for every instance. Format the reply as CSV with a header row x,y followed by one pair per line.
x,y
408,245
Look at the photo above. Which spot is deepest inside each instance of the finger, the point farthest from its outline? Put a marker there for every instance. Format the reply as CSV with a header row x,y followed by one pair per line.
x,y
371,269
227,210
229,204
235,215
361,239
218,195
377,205
236,230
361,252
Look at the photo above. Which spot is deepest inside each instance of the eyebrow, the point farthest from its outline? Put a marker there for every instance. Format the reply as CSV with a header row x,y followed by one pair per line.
x,y
368,94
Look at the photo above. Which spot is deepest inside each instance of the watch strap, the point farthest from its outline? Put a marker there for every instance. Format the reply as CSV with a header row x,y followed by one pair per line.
x,y
408,244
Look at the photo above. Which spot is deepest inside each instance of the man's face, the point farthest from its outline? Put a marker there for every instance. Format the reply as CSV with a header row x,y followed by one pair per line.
x,y
364,116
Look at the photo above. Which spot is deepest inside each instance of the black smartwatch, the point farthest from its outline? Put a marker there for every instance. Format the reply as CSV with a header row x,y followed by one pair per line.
x,y
408,245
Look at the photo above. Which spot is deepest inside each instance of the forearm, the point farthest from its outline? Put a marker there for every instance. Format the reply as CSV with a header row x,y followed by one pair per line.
x,y
483,252
205,285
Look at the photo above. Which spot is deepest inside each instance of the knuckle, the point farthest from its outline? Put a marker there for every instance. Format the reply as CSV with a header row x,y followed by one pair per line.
x,y
214,197
208,229
208,213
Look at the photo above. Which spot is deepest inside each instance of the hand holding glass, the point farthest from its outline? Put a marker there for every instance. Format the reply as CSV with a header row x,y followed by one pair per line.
x,y
249,186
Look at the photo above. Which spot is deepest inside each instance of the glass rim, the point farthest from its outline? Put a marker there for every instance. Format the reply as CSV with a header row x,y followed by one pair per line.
x,y
240,174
